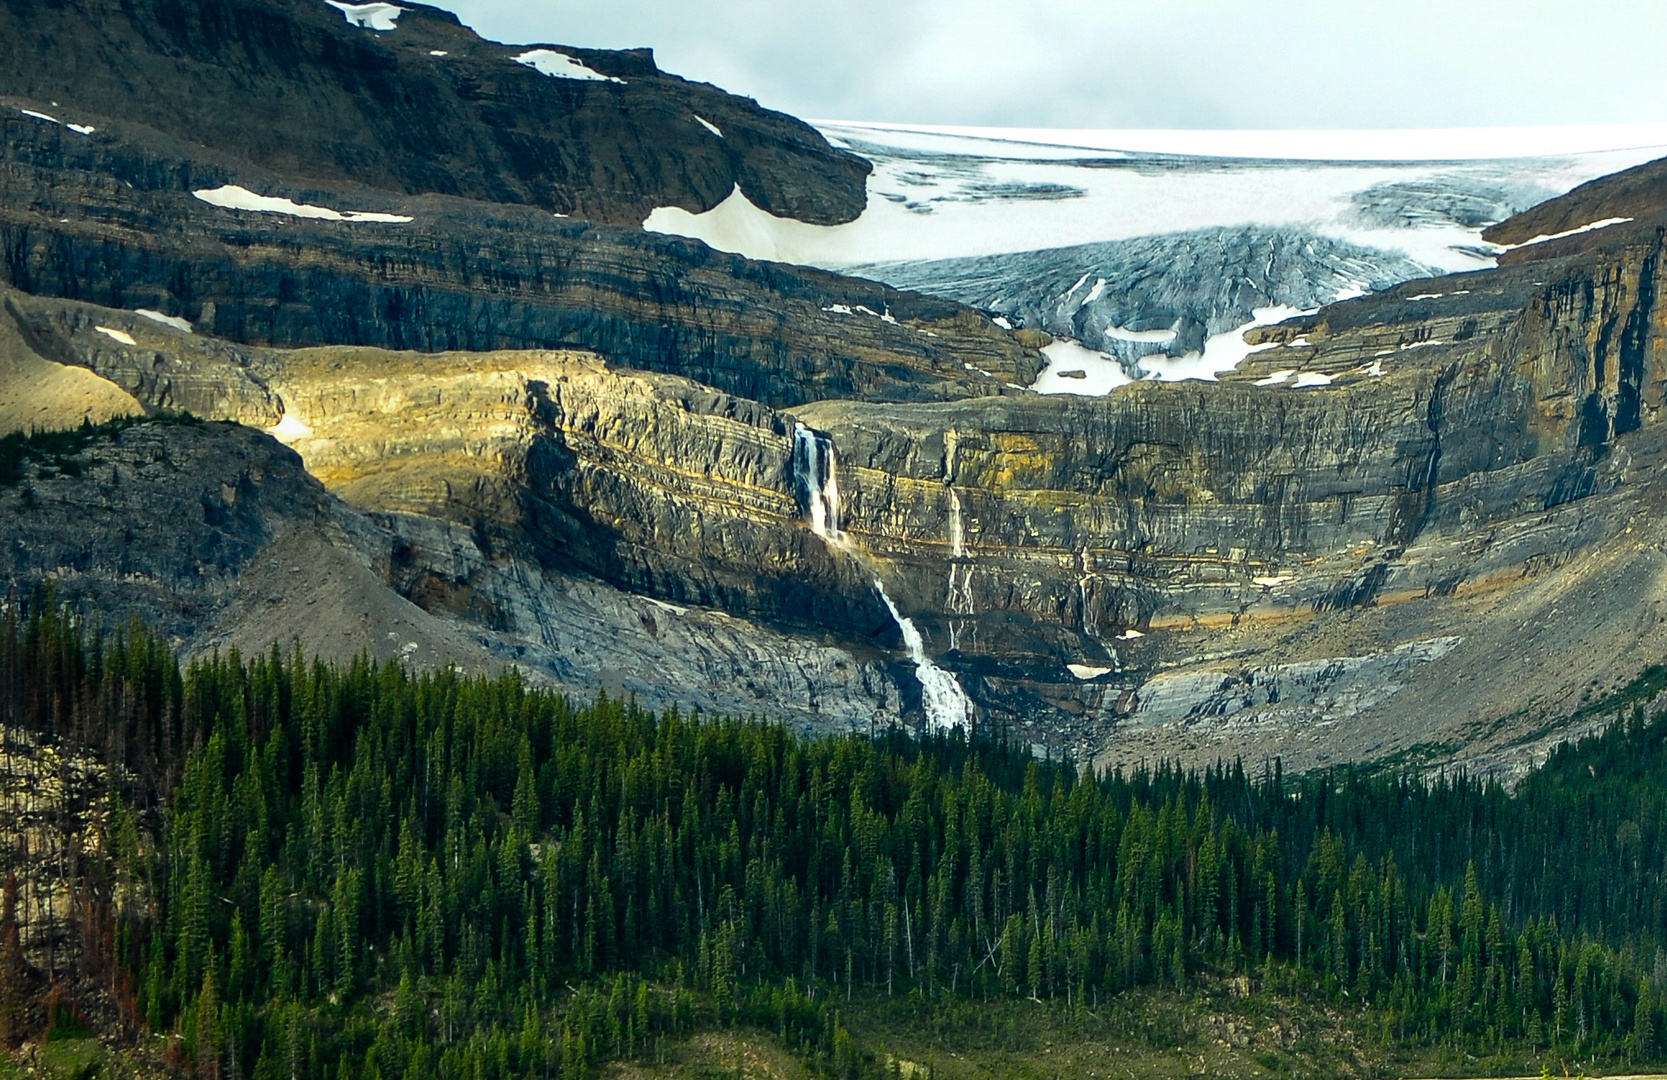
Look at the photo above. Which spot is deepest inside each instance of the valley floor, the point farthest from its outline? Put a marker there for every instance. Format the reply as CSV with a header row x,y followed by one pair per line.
x,y
1215,1031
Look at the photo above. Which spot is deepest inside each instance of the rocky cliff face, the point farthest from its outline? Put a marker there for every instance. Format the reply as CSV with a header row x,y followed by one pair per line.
x,y
415,103
216,535
111,218
53,845
1477,447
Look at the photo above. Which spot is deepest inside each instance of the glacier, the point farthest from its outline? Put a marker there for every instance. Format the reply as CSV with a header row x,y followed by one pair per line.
x,y
1154,261
1158,296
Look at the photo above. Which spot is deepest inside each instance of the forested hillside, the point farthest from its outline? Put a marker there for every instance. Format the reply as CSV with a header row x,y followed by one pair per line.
x,y
361,872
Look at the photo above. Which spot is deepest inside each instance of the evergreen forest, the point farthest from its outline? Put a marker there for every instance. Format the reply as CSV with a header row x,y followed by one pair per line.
x,y
366,873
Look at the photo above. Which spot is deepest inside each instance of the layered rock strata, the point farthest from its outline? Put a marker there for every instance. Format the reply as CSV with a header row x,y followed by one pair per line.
x,y
570,446
1474,442
112,218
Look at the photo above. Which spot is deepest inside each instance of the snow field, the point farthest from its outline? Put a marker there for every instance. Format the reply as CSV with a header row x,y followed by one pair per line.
x,y
935,196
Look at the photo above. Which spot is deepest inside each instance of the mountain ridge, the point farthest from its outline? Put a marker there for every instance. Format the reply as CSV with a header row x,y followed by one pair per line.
x,y
426,106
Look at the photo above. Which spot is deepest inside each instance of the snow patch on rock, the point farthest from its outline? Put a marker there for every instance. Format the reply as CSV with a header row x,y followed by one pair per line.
x,y
113,334
1221,352
166,320
232,197
79,129
290,429
1592,227
736,225
378,17
561,66
1100,373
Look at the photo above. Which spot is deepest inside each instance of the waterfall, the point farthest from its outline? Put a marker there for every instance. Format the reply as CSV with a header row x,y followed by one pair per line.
x,y
816,478
816,483
960,596
1090,622
957,535
941,697
959,602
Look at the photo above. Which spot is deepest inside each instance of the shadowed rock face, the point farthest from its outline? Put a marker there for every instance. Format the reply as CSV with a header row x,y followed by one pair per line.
x,y
216,535
292,87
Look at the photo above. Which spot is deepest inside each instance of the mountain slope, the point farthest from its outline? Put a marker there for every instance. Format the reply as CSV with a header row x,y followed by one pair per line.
x,y
1065,558
1632,195
413,102
627,460
214,535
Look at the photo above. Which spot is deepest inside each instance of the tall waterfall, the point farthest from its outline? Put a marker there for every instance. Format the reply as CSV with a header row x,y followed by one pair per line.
x,y
816,476
816,483
941,697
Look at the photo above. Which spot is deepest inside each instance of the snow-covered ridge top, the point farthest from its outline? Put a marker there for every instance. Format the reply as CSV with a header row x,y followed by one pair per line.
x,y
561,66
378,17
1428,144
232,197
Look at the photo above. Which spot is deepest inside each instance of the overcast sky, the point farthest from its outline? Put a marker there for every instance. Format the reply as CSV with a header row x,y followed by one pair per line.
x,y
1141,63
